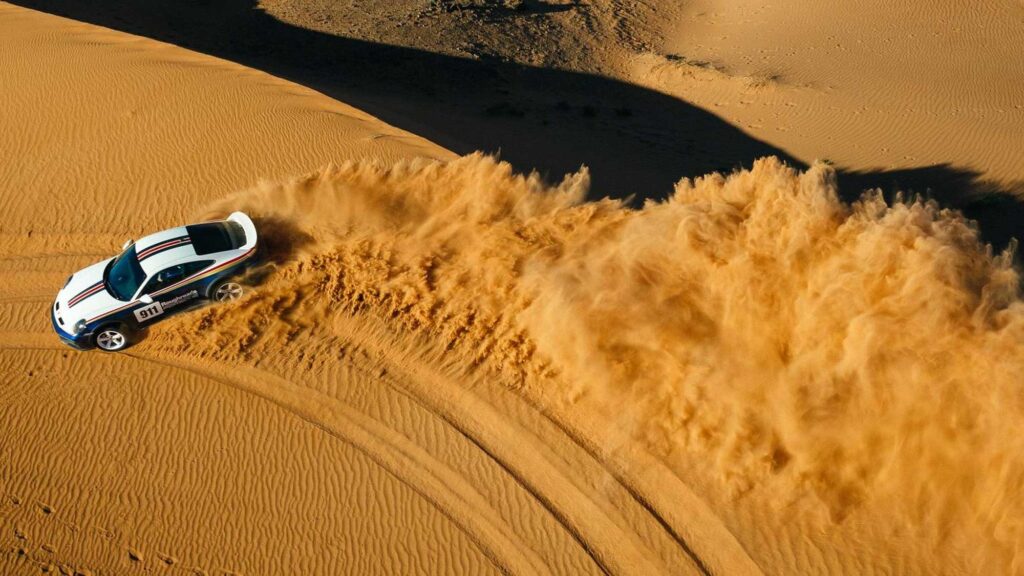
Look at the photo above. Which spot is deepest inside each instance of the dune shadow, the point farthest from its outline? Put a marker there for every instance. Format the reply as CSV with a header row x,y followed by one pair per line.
x,y
507,9
637,142
998,209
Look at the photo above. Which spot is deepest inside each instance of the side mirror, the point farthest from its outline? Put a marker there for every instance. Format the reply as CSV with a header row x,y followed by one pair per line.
x,y
127,243
146,299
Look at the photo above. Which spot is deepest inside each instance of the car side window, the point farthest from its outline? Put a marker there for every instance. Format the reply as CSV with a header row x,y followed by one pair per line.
x,y
164,278
174,274
193,267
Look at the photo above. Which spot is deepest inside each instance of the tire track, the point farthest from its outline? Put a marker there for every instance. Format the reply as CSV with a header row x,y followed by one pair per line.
x,y
647,487
405,460
526,457
533,463
467,512
683,516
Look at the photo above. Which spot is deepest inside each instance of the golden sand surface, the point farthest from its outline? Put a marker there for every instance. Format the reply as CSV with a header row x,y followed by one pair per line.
x,y
868,85
446,366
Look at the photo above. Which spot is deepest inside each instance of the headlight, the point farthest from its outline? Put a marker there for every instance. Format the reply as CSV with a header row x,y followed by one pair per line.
x,y
79,327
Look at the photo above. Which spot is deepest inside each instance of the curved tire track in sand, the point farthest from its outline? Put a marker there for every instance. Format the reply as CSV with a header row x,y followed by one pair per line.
x,y
614,550
539,464
534,462
403,458
684,516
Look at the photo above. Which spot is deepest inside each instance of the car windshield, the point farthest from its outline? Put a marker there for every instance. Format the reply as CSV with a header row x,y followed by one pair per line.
x,y
124,275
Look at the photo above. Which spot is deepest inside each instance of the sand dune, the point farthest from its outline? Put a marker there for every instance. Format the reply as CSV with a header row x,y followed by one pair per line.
x,y
884,88
444,366
875,85
127,133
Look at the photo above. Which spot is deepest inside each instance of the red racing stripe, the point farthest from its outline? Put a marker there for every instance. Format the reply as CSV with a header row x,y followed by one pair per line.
x,y
85,293
207,271
193,278
165,245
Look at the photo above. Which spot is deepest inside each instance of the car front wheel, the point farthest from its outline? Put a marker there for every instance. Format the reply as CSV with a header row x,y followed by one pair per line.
x,y
111,339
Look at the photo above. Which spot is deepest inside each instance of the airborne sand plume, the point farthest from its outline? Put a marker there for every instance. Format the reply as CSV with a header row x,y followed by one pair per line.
x,y
866,357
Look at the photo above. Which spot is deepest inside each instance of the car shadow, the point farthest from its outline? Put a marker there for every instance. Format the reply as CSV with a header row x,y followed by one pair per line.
x,y
637,142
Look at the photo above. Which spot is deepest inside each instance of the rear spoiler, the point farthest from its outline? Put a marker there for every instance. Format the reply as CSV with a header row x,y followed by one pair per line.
x,y
248,227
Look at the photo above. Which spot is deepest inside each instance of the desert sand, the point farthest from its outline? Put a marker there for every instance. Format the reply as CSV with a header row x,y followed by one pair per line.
x,y
447,364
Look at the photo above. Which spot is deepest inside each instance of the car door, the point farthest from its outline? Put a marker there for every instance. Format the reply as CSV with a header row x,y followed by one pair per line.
x,y
169,290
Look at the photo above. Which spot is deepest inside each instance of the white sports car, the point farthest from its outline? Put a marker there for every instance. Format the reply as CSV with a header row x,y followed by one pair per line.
x,y
106,304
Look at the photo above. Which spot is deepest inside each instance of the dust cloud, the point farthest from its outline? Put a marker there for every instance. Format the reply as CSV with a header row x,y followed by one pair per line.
x,y
863,355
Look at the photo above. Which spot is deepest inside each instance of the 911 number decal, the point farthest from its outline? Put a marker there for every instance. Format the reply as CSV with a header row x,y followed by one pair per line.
x,y
149,312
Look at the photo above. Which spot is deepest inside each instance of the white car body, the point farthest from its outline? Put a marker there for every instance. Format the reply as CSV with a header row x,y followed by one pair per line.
x,y
90,299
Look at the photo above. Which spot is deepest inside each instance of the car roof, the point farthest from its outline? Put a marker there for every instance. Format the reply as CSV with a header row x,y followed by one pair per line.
x,y
162,249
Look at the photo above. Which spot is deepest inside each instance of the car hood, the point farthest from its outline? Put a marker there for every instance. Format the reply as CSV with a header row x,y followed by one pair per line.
x,y
84,296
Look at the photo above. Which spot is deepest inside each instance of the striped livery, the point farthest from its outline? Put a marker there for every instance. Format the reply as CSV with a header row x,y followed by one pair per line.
x,y
94,289
164,246
191,279
108,303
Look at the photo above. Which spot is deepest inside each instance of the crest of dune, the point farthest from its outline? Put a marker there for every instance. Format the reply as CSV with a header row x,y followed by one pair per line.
x,y
864,356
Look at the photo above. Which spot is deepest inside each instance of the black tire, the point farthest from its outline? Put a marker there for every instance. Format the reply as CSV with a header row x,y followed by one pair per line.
x,y
226,290
113,338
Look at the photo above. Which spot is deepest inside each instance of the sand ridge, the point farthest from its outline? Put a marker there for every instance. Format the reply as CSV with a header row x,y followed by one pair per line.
x,y
890,85
883,88
113,108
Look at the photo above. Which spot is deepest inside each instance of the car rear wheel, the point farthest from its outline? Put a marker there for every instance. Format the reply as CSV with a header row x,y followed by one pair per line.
x,y
111,338
227,291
